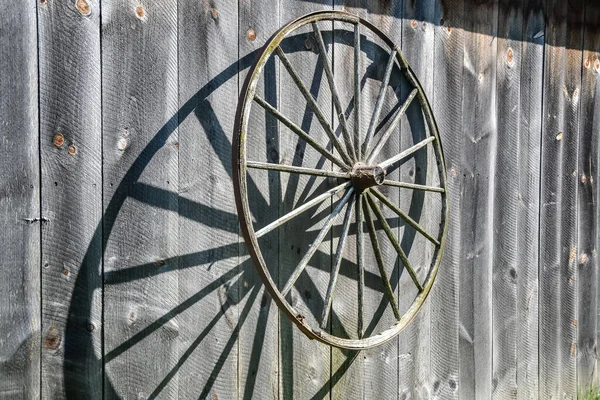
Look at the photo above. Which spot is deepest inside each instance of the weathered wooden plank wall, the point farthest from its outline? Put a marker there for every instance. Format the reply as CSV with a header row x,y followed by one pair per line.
x,y
19,204
122,272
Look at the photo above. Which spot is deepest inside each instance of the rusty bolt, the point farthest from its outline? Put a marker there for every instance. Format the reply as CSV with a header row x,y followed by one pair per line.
x,y
574,322
583,178
90,327
414,24
251,34
59,140
72,150
46,265
509,55
65,272
583,258
587,63
139,11
214,13
43,2
449,29
84,7
559,136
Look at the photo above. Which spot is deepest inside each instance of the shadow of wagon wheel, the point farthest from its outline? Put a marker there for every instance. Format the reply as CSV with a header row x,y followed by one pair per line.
x,y
82,364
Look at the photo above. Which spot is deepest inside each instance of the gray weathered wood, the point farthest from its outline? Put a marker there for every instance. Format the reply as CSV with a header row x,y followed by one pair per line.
x,y
558,197
447,108
479,129
258,359
414,343
20,223
587,165
304,364
506,265
531,85
208,238
71,167
139,86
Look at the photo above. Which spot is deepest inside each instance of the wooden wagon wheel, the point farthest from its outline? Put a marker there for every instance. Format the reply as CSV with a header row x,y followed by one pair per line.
x,y
357,169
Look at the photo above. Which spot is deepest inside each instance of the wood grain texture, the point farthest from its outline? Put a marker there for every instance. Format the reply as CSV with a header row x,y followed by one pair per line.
x,y
447,108
587,165
20,223
70,105
258,344
530,103
208,234
479,174
414,342
304,364
139,86
558,198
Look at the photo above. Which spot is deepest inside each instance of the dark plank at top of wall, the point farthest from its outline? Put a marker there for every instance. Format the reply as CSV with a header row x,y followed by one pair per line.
x,y
19,203
139,107
208,228
479,148
447,108
71,157
587,282
414,342
530,103
258,343
558,197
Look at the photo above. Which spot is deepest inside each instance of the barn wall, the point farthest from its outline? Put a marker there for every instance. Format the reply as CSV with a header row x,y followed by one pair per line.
x,y
122,271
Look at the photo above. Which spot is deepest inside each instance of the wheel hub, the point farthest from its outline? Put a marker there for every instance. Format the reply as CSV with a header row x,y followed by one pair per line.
x,y
364,176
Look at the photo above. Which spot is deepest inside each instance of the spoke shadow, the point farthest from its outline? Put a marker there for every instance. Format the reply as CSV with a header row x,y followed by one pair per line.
x,y
79,347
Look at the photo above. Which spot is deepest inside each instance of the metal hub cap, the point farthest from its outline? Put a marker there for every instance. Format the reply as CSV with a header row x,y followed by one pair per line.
x,y
365,176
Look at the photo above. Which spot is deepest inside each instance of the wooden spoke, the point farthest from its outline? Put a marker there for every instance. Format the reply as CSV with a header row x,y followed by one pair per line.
x,y
394,241
379,103
297,170
357,63
298,131
414,186
361,263
315,245
297,211
334,92
404,216
406,153
312,103
338,261
395,121
384,277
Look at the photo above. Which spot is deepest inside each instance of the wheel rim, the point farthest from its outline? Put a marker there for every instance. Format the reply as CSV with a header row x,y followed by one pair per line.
x,y
354,158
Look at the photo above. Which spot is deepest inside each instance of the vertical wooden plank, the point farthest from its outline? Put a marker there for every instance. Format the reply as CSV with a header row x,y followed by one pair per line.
x,y
258,360
19,203
71,156
304,364
447,108
587,286
208,234
372,373
506,266
532,67
558,216
480,142
139,94
414,343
